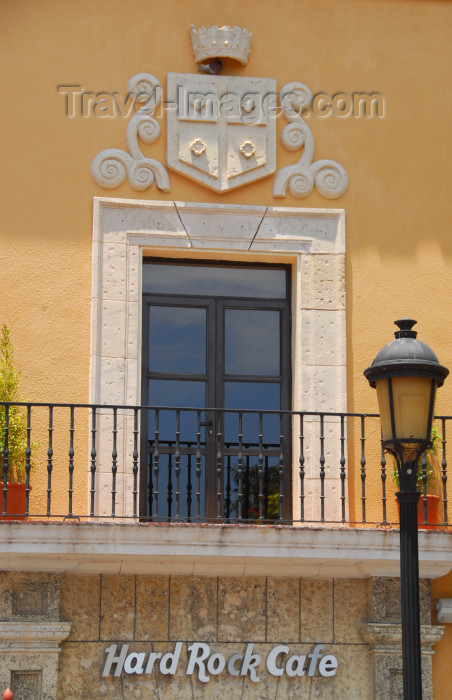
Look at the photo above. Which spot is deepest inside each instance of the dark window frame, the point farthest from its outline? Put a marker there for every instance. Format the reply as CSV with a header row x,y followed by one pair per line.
x,y
215,376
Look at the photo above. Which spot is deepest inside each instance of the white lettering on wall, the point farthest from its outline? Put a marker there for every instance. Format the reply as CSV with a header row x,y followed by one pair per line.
x,y
205,664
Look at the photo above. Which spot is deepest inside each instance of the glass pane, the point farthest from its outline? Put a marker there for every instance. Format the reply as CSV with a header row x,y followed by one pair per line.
x,y
169,392
177,339
252,341
252,395
211,280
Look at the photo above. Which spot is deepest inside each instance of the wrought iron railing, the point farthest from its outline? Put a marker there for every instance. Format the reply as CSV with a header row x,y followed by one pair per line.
x,y
160,464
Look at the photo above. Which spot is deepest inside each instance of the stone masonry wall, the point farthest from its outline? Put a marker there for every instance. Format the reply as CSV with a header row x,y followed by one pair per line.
x,y
72,637
153,613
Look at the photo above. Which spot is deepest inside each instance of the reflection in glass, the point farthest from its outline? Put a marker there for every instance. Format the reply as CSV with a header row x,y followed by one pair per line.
x,y
258,395
252,344
251,487
214,280
170,392
177,339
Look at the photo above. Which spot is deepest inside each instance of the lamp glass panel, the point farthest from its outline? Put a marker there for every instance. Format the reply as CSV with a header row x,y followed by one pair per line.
x,y
382,388
411,396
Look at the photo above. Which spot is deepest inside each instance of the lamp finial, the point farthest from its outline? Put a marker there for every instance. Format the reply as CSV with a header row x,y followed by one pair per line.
x,y
405,325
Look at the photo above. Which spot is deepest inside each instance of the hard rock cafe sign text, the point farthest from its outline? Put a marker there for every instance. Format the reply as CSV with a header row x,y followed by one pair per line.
x,y
204,664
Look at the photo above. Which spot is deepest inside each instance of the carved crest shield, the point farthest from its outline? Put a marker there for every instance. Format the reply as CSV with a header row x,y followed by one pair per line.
x,y
221,129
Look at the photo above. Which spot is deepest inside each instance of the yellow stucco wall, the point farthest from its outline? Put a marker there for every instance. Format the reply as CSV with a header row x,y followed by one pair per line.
x,y
397,206
398,249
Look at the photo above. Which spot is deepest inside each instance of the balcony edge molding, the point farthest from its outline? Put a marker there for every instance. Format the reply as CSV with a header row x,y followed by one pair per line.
x,y
211,550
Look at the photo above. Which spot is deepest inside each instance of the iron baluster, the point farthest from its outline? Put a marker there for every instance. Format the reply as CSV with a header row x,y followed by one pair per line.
x,y
342,470
383,484
228,484
219,465
135,461
71,460
114,463
6,460
50,460
260,467
322,468
149,490
301,461
424,485
177,464
198,464
246,482
189,484
156,464
363,470
93,461
28,462
444,469
266,487
169,498
240,470
281,467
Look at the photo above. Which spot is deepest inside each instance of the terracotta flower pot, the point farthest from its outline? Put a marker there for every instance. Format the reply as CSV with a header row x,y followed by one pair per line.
x,y
15,503
432,512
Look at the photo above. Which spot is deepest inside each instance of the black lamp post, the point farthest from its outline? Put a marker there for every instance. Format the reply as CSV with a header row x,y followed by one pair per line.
x,y
406,374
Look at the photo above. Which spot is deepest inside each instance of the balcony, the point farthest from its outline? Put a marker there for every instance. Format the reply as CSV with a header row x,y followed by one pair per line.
x,y
190,488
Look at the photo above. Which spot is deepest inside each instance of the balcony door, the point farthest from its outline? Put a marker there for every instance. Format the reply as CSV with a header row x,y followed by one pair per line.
x,y
215,337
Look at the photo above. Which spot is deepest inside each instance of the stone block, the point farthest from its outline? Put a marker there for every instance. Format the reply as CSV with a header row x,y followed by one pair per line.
x,y
323,388
322,282
114,323
80,605
117,607
323,337
114,277
80,673
316,610
152,606
351,603
283,609
193,608
241,609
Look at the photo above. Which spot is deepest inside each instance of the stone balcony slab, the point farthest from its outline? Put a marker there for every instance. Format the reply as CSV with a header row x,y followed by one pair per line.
x,y
210,549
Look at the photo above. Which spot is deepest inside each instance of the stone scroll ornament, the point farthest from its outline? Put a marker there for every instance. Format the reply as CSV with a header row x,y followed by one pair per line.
x,y
112,166
329,178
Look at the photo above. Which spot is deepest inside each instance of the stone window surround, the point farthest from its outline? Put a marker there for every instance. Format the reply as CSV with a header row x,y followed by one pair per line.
x,y
312,241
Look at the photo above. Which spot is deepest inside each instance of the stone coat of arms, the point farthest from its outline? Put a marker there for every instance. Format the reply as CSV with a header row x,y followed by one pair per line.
x,y
221,129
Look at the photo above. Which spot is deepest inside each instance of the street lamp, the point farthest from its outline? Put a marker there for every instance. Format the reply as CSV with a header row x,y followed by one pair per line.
x,y
406,374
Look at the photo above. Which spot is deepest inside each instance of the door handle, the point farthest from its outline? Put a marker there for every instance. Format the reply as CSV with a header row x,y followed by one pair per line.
x,y
208,423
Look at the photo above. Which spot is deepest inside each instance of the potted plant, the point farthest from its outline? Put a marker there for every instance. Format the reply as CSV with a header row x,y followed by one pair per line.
x,y
426,473
16,433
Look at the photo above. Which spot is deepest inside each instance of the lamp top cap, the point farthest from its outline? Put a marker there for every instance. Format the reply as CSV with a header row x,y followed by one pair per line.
x,y
405,325
406,356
